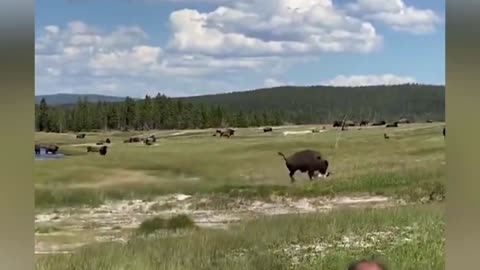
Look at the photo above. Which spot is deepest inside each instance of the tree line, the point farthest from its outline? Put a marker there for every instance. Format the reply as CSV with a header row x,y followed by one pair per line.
x,y
265,107
159,112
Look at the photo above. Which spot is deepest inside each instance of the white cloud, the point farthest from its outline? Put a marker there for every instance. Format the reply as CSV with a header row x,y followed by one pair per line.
x,y
398,15
271,27
273,82
368,80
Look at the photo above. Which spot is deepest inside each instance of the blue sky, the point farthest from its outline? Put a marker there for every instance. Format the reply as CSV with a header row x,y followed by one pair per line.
x,y
193,47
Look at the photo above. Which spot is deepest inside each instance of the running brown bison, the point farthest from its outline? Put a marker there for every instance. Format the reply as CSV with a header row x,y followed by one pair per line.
x,y
403,121
51,149
363,123
379,123
306,161
37,149
267,129
390,125
81,136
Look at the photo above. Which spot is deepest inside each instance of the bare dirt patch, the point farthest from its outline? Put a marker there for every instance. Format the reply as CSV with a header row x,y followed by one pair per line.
x,y
107,220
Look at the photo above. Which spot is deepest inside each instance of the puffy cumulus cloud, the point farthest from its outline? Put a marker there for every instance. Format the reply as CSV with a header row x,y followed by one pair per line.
x,y
270,27
81,58
398,15
368,80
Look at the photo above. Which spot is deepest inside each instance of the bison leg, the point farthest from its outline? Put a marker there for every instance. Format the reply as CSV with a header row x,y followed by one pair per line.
x,y
311,174
292,179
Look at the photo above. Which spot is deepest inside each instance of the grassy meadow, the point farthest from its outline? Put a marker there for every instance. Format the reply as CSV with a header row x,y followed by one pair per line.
x,y
409,166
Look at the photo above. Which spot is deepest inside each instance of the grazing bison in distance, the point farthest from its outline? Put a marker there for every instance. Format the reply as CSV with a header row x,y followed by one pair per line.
x,y
227,133
386,136
37,149
99,143
107,140
379,123
403,121
81,136
337,123
52,149
267,129
429,121
390,125
363,123
102,150
306,161
349,123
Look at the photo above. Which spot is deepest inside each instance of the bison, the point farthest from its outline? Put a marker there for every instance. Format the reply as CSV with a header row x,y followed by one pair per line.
x,y
444,131
315,130
102,150
394,124
227,133
306,161
349,123
363,123
337,123
108,140
267,129
51,149
386,136
403,121
379,123
37,149
81,136
99,143
429,121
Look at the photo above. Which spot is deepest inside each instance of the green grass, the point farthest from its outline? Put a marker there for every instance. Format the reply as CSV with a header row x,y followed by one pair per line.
x,y
407,238
154,224
409,165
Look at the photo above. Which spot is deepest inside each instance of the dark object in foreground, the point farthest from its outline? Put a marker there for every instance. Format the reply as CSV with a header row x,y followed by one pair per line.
x,y
306,161
102,150
390,125
367,265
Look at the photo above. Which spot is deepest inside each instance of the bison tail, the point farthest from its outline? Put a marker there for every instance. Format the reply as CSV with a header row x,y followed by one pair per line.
x,y
282,155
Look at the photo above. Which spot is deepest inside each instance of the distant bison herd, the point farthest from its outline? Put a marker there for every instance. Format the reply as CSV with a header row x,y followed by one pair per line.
x,y
306,161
